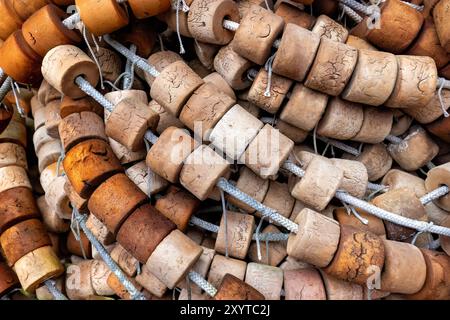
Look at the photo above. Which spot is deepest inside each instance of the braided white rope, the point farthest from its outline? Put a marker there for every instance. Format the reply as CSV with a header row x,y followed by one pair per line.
x,y
202,283
340,145
264,210
355,5
351,13
129,71
230,25
6,86
138,61
135,294
412,5
393,139
87,88
435,194
51,286
211,227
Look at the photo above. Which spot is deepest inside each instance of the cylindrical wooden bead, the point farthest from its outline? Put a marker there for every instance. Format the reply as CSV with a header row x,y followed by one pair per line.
x,y
437,282
304,284
251,184
373,79
151,283
297,135
40,138
11,21
327,28
321,181
341,290
8,279
146,180
37,266
15,132
233,288
171,17
376,126
143,231
13,177
304,108
102,17
114,200
161,60
183,253
342,120
124,260
267,152
219,81
415,150
167,155
57,199
26,8
269,100
205,20
358,256
78,127
355,176
293,14
296,52
52,118
125,155
12,154
166,119
19,61
22,238
17,205
375,225
50,219
174,86
238,232
80,247
145,9
47,93
69,106
119,289
79,284
99,278
427,44
416,82
44,30
109,62
403,202
235,131
433,110
99,230
397,179
440,17
316,240
128,123
63,64
277,249
266,279
359,43
48,175
75,199
404,268
201,171
256,34
204,109
401,123
205,53
279,199
437,177
88,164
177,205
201,267
232,67
49,153
332,67
376,159
222,265
390,35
